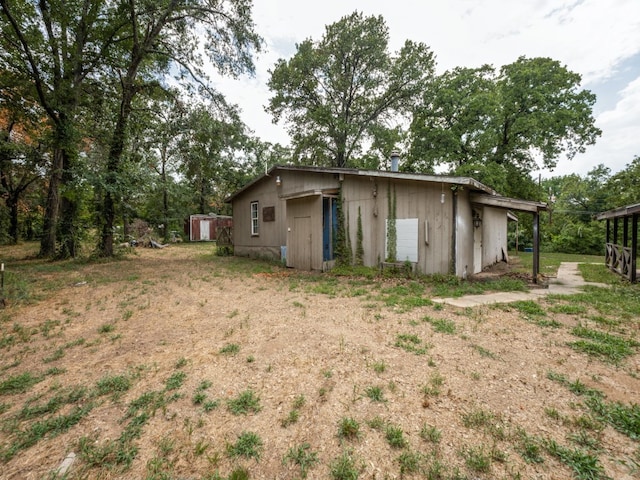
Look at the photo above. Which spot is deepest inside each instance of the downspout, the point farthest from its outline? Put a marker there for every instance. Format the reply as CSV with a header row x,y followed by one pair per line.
x,y
454,230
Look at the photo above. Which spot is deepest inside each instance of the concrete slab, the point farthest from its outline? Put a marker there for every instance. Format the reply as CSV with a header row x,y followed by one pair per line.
x,y
568,281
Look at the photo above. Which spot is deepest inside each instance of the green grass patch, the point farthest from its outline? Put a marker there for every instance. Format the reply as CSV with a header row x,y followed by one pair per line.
x,y
246,402
604,345
230,349
452,286
430,433
248,445
395,436
484,352
585,465
549,261
303,457
175,381
619,302
349,428
599,273
375,394
624,418
568,309
441,325
345,467
47,428
411,343
19,383
115,385
477,459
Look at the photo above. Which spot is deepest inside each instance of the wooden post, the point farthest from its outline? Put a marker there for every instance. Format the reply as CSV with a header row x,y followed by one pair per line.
x,y
625,233
615,230
453,266
536,246
634,247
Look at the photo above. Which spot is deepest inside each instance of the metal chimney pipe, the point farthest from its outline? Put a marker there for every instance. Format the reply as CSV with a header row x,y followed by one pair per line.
x,y
395,160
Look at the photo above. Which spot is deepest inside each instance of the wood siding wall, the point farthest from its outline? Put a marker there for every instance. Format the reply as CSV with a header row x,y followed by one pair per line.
x,y
271,235
445,230
464,234
494,238
413,200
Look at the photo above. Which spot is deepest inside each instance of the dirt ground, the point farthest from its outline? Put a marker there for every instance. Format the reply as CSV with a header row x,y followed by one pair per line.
x,y
174,309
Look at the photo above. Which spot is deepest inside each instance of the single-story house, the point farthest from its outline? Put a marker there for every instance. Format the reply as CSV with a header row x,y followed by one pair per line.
x,y
439,224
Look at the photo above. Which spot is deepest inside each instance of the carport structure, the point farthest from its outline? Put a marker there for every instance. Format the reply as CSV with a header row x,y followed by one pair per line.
x,y
621,257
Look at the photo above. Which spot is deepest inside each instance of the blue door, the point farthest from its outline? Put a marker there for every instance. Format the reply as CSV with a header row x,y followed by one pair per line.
x,y
329,226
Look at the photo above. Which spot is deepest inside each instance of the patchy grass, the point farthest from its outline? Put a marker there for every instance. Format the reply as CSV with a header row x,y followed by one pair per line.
x,y
604,345
369,401
19,383
246,402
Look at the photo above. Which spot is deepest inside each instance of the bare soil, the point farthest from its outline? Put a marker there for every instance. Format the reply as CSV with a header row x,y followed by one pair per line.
x,y
174,309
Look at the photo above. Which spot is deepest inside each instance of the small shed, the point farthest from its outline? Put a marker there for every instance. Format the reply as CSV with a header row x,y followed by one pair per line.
x,y
622,246
207,228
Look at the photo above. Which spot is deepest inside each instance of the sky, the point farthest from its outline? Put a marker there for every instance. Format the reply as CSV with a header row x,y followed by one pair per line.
x,y
598,39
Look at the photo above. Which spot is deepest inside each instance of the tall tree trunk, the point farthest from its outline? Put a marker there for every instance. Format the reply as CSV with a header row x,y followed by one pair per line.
x,y
12,203
116,148
203,199
52,208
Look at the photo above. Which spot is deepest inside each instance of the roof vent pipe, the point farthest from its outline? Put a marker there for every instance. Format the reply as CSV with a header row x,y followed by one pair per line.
x,y
395,159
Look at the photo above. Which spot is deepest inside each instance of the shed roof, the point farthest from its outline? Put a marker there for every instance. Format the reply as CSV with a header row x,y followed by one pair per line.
x,y
485,195
619,212
465,181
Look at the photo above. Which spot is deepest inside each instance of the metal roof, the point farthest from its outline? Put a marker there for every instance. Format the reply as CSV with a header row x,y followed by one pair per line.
x,y
619,212
419,177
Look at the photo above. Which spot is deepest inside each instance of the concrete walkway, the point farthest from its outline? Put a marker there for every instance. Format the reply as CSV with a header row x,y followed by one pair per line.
x,y
568,281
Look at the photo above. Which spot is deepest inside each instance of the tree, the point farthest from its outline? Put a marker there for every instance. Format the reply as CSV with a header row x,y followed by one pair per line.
x,y
72,51
452,124
573,202
166,33
22,158
624,187
57,46
531,111
335,92
207,152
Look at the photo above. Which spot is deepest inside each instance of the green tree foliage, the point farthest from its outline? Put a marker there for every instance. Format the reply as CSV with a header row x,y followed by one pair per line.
x,y
57,47
208,151
346,88
76,52
624,187
22,159
168,33
506,122
573,202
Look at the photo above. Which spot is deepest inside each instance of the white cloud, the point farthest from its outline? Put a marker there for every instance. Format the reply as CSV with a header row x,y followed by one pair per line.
x,y
591,37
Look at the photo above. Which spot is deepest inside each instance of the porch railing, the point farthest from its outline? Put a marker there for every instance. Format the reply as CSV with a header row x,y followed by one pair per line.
x,y
618,259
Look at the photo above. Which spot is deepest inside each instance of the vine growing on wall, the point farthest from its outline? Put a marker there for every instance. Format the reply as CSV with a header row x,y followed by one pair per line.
x,y
392,234
340,242
359,260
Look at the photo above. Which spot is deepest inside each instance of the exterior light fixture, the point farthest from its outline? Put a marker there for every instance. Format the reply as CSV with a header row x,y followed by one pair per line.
x,y
477,221
442,197
278,181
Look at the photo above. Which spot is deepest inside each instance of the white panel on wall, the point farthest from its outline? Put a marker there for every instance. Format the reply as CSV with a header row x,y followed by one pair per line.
x,y
407,239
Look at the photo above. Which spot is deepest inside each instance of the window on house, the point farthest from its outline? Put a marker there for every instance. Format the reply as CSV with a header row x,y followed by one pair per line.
x,y
254,218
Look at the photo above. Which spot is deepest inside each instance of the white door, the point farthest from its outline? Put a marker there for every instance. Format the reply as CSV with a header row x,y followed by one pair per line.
x,y
477,249
204,230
